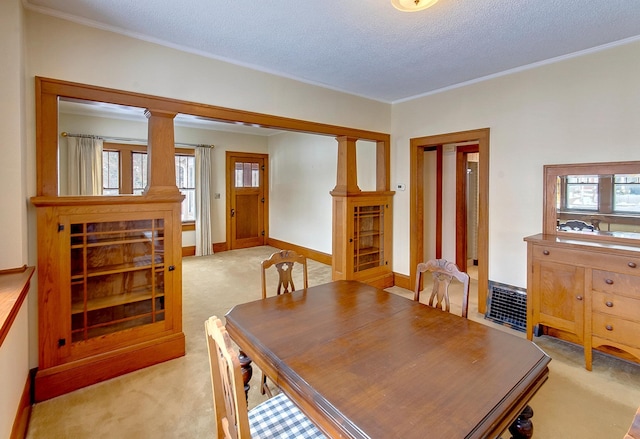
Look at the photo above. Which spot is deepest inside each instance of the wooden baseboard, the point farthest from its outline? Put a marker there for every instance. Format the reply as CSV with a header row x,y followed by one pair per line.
x,y
220,247
191,249
402,281
58,380
323,258
21,422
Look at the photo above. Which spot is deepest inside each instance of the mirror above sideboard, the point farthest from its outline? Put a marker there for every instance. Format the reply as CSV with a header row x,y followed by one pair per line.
x,y
595,200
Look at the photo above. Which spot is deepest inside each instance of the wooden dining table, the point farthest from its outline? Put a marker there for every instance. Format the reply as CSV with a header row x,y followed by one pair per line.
x,y
361,362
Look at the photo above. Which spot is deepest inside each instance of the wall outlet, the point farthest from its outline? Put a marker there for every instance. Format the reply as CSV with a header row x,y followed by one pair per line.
x,y
401,186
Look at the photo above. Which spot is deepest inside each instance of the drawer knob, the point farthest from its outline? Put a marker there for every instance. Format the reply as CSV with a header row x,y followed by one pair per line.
x,y
608,281
609,328
632,265
545,252
609,304
579,297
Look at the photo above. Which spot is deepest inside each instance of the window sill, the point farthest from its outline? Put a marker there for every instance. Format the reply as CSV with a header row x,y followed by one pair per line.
x,y
14,286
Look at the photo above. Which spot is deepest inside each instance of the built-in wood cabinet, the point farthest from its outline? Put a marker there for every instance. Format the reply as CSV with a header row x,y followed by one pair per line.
x,y
586,292
362,220
363,244
109,289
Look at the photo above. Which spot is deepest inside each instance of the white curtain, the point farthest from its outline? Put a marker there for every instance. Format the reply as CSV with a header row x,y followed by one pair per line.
x,y
84,170
203,201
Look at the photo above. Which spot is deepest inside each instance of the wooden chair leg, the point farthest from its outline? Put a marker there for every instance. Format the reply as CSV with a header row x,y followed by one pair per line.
x,y
264,388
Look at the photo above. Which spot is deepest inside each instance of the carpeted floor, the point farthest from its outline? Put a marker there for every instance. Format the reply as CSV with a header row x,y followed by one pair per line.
x,y
173,399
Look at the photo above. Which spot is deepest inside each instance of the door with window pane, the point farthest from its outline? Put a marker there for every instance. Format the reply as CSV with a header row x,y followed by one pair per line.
x,y
246,199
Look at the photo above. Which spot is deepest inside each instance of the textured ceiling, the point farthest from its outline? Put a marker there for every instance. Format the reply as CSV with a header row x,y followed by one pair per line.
x,y
367,47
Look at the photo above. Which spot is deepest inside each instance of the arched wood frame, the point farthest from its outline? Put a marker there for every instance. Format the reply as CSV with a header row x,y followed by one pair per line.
x,y
416,221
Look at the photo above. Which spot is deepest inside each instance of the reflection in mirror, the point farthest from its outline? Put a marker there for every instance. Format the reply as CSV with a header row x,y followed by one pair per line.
x,y
599,204
89,162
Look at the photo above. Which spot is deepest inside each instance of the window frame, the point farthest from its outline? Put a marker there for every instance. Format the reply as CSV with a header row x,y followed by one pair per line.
x,y
126,151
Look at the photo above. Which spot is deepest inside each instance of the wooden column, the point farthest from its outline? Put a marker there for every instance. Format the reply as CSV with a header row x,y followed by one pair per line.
x,y
347,175
161,165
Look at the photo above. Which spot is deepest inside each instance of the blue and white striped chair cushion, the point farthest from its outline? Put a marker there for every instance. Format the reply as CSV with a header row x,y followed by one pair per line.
x,y
278,417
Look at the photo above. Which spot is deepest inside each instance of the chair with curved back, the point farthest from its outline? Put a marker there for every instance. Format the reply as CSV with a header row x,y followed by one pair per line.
x,y
276,417
443,273
284,261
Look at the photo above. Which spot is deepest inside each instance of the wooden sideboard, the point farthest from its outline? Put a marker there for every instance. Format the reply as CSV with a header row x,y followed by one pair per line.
x,y
586,292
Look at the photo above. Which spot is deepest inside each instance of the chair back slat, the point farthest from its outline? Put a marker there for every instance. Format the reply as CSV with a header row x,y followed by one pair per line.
x,y
443,272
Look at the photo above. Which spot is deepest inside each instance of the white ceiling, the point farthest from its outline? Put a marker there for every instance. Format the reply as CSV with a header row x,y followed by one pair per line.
x,y
367,48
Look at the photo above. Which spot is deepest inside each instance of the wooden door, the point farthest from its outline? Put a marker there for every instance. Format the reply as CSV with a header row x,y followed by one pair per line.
x,y
247,204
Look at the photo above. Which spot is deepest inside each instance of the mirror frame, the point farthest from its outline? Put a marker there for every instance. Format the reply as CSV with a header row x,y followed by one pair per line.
x,y
551,174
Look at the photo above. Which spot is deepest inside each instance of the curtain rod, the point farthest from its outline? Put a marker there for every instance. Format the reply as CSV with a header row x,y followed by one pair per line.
x,y
125,139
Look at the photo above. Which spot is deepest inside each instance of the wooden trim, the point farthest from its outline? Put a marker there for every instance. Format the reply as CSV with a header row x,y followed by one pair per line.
x,y
14,286
48,90
402,281
323,258
66,377
189,226
461,204
189,251
416,243
21,422
220,247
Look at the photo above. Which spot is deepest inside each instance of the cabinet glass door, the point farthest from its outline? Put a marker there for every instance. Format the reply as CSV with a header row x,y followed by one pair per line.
x,y
117,276
368,237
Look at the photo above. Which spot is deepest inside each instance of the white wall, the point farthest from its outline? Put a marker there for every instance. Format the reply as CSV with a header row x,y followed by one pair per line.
x,y
582,109
14,356
302,172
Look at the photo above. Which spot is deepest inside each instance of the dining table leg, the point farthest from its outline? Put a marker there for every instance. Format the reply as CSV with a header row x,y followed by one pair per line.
x,y
522,427
247,372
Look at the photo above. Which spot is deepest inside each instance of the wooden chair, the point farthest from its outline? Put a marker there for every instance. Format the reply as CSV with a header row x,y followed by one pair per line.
x,y
579,225
634,430
284,260
443,272
233,420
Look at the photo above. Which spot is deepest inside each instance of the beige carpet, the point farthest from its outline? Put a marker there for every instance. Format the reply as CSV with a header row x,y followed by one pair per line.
x,y
173,399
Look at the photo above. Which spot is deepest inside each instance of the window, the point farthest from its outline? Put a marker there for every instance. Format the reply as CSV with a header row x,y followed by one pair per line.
x,y
139,172
608,194
110,172
124,171
247,175
626,192
582,192
186,182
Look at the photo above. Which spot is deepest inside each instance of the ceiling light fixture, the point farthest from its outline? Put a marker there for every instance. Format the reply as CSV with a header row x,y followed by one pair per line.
x,y
412,5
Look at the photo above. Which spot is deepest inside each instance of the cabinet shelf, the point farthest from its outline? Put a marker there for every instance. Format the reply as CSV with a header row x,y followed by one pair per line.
x,y
115,300
142,263
367,251
111,241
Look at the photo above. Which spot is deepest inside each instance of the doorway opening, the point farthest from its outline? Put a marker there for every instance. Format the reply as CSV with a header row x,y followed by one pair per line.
x,y
417,215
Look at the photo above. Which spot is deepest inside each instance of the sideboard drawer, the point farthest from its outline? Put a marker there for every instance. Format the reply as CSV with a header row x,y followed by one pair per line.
x,y
616,329
619,264
616,305
616,283
549,253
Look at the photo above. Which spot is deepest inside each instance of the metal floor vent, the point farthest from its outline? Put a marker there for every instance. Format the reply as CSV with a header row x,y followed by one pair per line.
x,y
507,305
